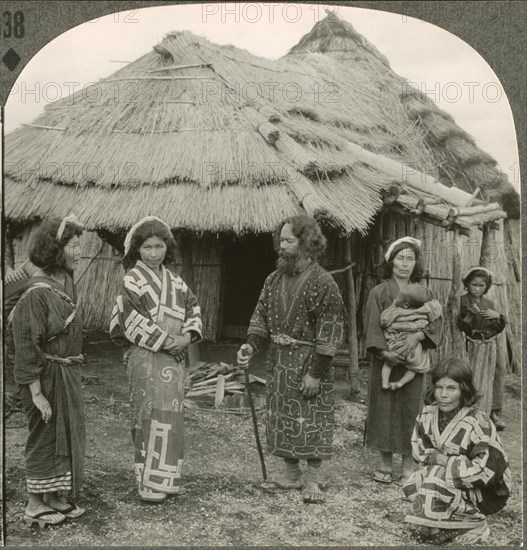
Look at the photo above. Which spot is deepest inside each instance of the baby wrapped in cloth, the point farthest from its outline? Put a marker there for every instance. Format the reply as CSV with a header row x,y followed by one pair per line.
x,y
410,312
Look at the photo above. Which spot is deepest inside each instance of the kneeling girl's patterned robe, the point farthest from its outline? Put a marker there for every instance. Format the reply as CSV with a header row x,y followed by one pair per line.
x,y
474,483
308,308
148,310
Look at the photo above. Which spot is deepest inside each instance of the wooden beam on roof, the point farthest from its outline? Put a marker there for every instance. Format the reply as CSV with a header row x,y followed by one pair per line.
x,y
176,67
399,209
408,175
471,210
41,127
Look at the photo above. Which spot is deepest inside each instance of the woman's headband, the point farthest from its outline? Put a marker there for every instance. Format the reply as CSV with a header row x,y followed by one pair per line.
x,y
476,268
410,240
130,234
71,219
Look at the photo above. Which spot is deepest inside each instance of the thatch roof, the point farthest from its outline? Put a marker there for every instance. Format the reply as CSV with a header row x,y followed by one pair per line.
x,y
457,160
213,138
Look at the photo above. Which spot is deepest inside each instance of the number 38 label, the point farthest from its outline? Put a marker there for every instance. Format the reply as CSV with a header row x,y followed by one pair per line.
x,y
13,24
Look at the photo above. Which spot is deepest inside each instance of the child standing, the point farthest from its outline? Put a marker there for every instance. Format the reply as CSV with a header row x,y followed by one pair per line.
x,y
481,324
411,311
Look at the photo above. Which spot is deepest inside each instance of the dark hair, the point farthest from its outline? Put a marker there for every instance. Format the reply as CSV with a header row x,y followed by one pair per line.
x,y
307,231
478,273
416,295
150,228
417,273
459,371
46,251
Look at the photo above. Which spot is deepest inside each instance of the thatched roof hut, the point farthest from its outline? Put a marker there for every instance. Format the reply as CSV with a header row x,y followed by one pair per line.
x,y
223,144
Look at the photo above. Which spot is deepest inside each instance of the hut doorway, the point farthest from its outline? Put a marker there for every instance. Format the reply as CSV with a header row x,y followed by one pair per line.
x,y
247,262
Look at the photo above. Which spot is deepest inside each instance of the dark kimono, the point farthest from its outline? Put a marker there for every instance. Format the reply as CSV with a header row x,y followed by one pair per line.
x,y
480,338
391,413
475,481
46,337
308,308
148,310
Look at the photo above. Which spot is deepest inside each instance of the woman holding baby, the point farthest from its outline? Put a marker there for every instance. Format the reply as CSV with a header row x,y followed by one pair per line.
x,y
398,346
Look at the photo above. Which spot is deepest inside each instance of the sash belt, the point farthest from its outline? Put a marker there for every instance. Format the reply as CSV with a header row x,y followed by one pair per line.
x,y
65,360
481,339
285,340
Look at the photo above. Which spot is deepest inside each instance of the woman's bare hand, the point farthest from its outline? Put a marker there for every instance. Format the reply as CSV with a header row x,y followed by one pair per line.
x,y
42,404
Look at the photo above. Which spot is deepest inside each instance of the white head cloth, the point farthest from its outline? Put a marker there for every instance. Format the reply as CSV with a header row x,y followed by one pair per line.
x,y
410,240
130,234
476,268
71,218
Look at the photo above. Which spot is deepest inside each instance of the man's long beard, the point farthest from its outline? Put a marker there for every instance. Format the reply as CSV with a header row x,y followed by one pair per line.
x,y
290,263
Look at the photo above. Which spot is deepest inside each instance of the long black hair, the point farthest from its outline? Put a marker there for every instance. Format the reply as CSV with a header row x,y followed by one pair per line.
x,y
459,371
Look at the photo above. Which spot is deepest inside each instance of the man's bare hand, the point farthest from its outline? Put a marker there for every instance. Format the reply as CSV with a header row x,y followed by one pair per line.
x,y
309,386
244,356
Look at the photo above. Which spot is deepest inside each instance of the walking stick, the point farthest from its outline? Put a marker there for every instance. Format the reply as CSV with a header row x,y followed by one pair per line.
x,y
255,422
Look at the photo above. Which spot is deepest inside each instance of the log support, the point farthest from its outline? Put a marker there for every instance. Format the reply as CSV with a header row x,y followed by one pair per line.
x,y
353,372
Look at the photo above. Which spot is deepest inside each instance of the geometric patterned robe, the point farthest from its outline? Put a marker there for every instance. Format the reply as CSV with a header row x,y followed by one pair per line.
x,y
476,480
307,307
147,311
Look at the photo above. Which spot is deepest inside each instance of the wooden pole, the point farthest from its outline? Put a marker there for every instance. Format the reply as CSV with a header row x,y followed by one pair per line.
x,y
353,372
453,299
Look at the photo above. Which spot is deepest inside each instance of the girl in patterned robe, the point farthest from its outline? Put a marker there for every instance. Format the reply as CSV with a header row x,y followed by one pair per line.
x,y
157,316
47,337
464,474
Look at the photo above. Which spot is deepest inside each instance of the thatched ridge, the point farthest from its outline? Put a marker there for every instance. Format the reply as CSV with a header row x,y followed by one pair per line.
x,y
457,161
213,138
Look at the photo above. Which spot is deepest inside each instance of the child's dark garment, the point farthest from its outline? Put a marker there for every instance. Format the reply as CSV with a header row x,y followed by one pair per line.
x,y
474,325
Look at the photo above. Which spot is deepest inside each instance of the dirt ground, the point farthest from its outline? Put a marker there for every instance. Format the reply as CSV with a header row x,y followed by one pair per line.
x,y
223,504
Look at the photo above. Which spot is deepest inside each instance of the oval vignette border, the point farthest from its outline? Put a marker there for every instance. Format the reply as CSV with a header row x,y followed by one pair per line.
x,y
492,28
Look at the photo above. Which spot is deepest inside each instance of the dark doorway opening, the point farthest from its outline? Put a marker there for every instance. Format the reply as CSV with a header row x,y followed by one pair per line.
x,y
248,261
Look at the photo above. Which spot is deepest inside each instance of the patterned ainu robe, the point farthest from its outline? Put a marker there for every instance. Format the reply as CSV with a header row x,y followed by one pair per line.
x,y
476,480
148,310
307,307
42,325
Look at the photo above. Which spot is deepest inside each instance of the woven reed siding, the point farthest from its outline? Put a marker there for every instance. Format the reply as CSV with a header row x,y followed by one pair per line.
x,y
514,290
494,256
101,282
206,258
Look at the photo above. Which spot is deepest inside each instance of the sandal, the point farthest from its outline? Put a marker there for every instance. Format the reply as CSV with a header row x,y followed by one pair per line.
x,y
71,511
382,477
278,486
444,536
41,519
474,535
149,495
312,493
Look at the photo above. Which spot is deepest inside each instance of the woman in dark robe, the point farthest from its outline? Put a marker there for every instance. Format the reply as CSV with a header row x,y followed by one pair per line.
x,y
392,413
47,337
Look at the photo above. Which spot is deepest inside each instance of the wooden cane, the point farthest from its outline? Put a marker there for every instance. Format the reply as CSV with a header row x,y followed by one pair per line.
x,y
255,423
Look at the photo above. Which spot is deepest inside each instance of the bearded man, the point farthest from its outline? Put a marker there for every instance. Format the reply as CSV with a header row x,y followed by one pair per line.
x,y
300,311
